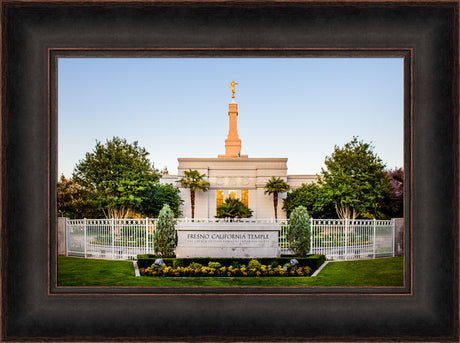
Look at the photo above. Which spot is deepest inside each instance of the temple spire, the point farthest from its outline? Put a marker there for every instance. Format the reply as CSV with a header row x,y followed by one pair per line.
x,y
233,142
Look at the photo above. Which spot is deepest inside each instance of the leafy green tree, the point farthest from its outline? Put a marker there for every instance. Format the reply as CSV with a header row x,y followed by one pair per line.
x,y
313,197
75,201
232,208
117,172
165,238
355,180
298,232
155,196
195,181
276,186
393,203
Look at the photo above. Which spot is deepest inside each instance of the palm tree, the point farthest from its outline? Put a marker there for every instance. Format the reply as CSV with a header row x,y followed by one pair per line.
x,y
275,186
194,180
232,208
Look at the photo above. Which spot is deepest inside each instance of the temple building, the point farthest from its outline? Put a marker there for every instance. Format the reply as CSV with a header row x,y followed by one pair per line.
x,y
235,175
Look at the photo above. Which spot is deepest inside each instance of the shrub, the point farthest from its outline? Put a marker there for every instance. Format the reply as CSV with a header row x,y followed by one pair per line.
x,y
298,232
254,264
232,208
155,267
314,198
195,265
214,265
274,264
177,263
235,264
156,195
165,239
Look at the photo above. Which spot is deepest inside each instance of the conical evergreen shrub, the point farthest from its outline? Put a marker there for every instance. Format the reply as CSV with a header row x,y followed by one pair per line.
x,y
299,233
165,239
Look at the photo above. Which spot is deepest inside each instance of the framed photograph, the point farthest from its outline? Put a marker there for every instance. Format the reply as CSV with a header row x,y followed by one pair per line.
x,y
35,35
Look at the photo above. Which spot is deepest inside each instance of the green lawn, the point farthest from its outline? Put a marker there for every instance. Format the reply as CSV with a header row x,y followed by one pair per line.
x,y
86,272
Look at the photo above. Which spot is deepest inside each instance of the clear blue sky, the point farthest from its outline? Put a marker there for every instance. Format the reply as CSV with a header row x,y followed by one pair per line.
x,y
297,108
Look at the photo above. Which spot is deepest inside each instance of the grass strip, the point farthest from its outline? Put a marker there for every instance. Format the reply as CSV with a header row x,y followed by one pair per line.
x,y
362,273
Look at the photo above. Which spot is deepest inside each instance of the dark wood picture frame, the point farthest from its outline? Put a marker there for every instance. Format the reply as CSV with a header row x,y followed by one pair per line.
x,y
36,33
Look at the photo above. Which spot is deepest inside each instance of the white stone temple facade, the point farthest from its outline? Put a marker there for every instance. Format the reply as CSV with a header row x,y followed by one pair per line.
x,y
235,175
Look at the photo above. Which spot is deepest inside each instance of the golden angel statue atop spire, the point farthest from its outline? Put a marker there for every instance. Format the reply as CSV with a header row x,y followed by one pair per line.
x,y
232,86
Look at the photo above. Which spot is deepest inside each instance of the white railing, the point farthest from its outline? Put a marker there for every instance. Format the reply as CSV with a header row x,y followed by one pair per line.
x,y
116,239
126,238
345,239
230,220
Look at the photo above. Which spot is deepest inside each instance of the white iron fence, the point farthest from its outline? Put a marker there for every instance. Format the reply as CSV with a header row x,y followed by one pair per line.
x,y
345,239
124,239
116,239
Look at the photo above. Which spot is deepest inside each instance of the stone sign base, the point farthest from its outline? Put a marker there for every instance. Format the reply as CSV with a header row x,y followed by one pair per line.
x,y
227,240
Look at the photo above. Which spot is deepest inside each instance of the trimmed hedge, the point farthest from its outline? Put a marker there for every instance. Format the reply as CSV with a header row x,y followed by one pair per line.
x,y
312,261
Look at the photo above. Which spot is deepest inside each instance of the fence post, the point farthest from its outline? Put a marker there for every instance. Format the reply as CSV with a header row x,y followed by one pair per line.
x,y
311,235
393,237
147,235
67,238
373,240
346,238
84,228
113,237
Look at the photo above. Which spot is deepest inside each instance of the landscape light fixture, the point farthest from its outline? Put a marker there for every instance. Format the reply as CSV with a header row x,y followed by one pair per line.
x,y
159,262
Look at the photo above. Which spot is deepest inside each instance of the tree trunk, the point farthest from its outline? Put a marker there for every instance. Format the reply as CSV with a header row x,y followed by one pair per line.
x,y
275,204
192,200
345,212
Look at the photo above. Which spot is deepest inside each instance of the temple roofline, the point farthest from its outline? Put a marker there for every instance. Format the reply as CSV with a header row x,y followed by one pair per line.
x,y
233,159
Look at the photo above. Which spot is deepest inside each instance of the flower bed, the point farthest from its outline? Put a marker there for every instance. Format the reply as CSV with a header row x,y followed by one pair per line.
x,y
242,271
312,261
